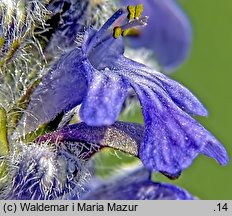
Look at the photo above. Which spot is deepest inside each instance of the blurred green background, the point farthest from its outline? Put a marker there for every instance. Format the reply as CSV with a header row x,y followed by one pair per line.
x,y
208,74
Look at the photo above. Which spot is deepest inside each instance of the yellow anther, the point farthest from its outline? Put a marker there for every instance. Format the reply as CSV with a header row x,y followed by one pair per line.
x,y
131,12
117,32
131,32
126,32
134,13
138,10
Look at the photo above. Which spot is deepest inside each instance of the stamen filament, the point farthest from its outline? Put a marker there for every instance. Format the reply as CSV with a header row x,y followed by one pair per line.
x,y
134,23
131,12
95,40
117,32
138,10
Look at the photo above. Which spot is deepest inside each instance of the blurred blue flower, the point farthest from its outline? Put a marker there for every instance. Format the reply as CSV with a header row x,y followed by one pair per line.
x,y
168,34
98,76
134,184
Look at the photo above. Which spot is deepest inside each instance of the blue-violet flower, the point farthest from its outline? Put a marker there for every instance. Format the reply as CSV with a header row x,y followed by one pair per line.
x,y
134,184
98,76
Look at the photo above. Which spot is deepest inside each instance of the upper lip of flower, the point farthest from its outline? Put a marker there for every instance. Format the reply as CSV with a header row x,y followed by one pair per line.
x,y
172,138
168,35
